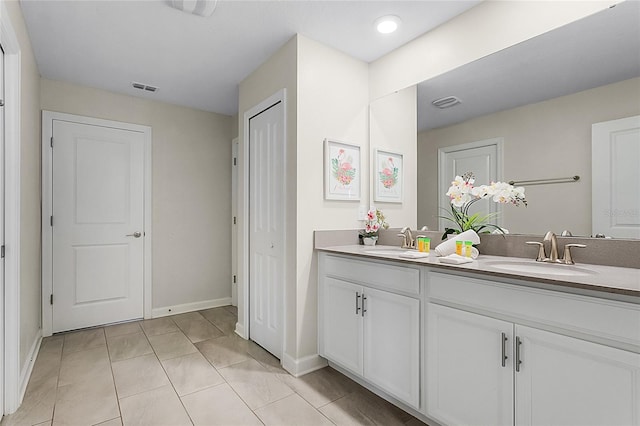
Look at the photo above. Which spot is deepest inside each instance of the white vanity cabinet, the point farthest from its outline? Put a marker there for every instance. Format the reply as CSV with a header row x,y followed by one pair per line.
x,y
515,352
369,323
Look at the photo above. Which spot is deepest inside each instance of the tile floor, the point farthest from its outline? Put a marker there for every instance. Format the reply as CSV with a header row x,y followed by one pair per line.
x,y
188,369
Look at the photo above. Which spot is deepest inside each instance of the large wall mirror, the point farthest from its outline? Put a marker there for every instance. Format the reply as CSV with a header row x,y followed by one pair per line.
x,y
539,100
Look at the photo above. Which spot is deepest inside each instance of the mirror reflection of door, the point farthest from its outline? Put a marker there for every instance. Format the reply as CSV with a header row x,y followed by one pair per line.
x,y
483,159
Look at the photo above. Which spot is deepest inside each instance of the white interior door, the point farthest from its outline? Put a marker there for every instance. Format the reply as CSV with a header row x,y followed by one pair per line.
x,y
2,332
98,223
266,228
234,222
481,158
615,196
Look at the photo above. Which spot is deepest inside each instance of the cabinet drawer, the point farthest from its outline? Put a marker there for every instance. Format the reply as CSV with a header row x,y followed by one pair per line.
x,y
402,279
603,318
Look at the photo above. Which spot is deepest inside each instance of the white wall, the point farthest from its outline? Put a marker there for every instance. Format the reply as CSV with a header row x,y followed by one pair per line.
x,y
542,140
482,30
191,195
393,123
333,102
30,268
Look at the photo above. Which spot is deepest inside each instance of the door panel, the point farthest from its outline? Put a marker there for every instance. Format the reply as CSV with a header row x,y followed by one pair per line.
x,y
616,178
266,229
98,204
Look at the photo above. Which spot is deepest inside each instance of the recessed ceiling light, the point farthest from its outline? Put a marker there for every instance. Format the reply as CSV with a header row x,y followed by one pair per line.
x,y
387,24
197,7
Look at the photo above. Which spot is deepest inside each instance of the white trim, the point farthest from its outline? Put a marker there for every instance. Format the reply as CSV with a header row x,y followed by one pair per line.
x,y
190,307
498,142
301,366
11,320
27,367
242,328
47,193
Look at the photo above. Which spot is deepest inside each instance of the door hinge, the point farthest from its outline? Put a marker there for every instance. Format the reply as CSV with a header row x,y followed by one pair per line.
x,y
51,299
235,163
51,141
51,220
1,102
234,220
2,252
234,278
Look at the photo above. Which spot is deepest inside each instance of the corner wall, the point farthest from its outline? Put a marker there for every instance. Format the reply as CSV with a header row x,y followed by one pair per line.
x,y
191,167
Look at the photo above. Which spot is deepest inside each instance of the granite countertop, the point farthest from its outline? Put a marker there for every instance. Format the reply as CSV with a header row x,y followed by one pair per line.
x,y
610,280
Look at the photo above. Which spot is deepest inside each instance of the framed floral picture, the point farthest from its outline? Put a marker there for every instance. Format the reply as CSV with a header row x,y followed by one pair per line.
x,y
388,180
341,171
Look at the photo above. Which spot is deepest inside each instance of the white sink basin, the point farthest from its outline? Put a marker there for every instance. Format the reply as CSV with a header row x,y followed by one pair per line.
x,y
386,251
540,268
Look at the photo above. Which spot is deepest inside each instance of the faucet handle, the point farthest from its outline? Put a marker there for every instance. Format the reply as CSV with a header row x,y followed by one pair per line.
x,y
404,240
567,259
541,253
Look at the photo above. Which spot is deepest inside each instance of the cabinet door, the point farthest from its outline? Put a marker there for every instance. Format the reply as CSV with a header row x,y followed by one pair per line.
x,y
342,323
568,381
467,383
392,344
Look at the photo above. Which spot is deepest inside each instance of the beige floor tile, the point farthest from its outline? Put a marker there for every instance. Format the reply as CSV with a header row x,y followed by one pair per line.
x,y
364,408
415,422
269,361
191,373
120,329
159,326
156,407
224,351
137,375
37,405
83,340
112,422
128,346
196,328
222,318
219,405
52,344
86,403
47,365
256,385
47,423
232,309
171,345
292,410
79,366
320,387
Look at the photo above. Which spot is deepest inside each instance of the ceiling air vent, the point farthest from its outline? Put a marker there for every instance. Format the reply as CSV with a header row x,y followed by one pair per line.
x,y
446,102
146,87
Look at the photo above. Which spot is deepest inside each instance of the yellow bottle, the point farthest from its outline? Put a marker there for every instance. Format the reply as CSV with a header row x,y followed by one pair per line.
x,y
467,248
459,248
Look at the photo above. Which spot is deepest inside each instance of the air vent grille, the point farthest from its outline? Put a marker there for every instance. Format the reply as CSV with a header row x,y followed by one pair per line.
x,y
446,102
145,87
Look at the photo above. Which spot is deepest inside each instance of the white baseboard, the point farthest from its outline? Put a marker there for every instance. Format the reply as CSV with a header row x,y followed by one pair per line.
x,y
240,330
301,366
189,307
27,367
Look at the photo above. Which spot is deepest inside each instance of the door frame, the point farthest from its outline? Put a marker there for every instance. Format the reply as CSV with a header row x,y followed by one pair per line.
x,y
13,388
47,203
243,284
498,142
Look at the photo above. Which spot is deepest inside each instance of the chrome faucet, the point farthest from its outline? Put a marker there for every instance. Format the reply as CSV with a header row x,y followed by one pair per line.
x,y
407,238
553,255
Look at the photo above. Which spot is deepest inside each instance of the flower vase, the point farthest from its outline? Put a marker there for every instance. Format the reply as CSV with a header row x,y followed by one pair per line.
x,y
369,241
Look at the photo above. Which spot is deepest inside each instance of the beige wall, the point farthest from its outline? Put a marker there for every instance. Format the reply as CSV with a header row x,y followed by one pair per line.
x,y
543,140
191,188
30,288
393,123
278,72
486,28
333,102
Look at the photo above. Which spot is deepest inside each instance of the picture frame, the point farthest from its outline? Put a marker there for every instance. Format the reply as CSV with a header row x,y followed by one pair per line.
x,y
341,171
388,176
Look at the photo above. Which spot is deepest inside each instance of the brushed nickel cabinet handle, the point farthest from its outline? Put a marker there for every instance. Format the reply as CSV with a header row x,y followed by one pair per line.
x,y
504,349
518,360
364,299
357,304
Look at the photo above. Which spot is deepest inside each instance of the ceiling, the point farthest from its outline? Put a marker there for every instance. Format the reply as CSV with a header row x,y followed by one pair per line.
x,y
199,61
601,49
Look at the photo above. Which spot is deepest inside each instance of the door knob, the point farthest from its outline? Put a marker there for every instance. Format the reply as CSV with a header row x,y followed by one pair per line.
x,y
134,235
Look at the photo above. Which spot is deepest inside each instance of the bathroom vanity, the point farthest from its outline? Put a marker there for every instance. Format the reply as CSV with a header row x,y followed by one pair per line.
x,y
500,341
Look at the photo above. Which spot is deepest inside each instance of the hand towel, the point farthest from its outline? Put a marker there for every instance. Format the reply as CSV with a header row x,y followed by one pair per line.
x,y
449,247
413,254
455,259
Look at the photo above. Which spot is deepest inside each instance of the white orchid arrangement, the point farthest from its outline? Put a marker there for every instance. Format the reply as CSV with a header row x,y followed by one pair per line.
x,y
463,195
374,221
